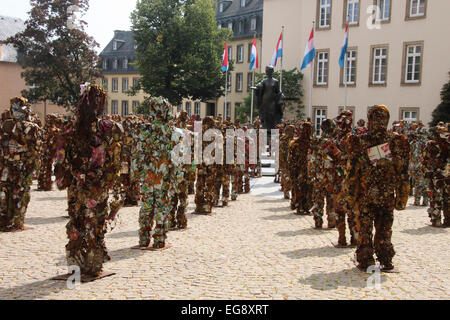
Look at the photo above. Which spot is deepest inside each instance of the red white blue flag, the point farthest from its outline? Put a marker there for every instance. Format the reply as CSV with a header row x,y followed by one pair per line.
x,y
254,61
225,59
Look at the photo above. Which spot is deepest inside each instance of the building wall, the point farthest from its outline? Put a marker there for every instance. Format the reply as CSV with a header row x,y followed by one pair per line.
x,y
234,97
120,95
297,17
12,87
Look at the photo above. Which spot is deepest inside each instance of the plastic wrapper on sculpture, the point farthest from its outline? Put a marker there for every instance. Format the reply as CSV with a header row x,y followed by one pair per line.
x,y
19,153
89,165
48,153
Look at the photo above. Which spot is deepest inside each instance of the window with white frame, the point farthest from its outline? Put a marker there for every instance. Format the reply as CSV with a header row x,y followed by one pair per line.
x,y
115,84
243,3
105,84
197,107
188,108
125,84
379,65
114,45
322,68
320,115
135,106
115,63
253,24
114,107
417,8
249,81
135,82
353,11
413,63
221,7
105,64
240,53
409,116
325,14
124,108
239,81
125,63
230,53
230,25
350,67
228,110
383,10
241,26
229,82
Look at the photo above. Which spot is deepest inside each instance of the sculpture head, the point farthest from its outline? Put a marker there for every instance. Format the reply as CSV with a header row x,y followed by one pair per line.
x,y
269,71
328,126
378,117
19,108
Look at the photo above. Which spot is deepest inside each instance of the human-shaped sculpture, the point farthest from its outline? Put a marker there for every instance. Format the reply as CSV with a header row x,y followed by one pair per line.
x,y
19,137
88,164
376,183
269,99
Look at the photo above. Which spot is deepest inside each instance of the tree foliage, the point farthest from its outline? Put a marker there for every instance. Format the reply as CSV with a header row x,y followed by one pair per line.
x,y
56,56
179,49
292,90
442,111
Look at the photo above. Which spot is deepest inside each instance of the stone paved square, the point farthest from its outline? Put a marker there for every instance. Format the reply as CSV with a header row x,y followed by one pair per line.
x,y
254,249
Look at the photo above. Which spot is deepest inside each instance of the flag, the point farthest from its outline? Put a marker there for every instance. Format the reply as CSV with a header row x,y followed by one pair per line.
x,y
344,48
254,61
278,51
225,59
310,51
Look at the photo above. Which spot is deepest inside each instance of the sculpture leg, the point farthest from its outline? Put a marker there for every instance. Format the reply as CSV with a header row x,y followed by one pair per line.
x,y
146,220
383,234
181,211
365,251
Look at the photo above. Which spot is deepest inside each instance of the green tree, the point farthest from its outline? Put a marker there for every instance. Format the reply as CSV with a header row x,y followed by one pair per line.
x,y
55,52
179,49
442,111
292,89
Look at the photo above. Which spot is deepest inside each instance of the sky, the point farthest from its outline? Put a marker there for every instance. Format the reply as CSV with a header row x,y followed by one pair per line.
x,y
103,17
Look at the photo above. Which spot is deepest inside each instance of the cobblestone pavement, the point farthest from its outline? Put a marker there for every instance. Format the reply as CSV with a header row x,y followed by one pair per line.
x,y
254,249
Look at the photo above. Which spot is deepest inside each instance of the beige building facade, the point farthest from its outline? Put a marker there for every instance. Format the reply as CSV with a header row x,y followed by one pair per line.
x,y
398,53
12,83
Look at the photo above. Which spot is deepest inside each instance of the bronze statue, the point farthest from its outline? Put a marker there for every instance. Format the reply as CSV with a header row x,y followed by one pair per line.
x,y
269,100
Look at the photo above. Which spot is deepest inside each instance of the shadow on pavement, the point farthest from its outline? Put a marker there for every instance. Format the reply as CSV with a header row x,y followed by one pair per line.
x,y
38,220
125,234
35,290
52,199
289,216
273,200
309,232
317,252
280,209
344,278
424,231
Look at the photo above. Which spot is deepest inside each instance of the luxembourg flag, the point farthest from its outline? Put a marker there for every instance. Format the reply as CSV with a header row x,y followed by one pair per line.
x,y
254,61
310,51
344,48
225,59
278,51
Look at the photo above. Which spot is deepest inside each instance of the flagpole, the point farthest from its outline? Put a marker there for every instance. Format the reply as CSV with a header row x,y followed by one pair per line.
x,y
226,90
311,85
281,71
345,67
253,84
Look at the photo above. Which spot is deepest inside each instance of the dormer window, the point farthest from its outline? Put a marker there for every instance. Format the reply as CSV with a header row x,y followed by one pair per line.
x,y
230,25
241,26
115,64
253,24
105,64
125,63
243,2
221,7
114,45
